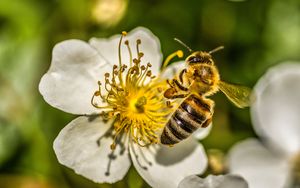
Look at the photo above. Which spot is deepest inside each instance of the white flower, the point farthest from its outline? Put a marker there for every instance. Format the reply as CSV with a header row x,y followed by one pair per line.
x,y
116,92
275,162
212,181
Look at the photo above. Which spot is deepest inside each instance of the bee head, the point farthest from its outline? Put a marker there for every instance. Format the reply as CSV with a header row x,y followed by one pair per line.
x,y
199,57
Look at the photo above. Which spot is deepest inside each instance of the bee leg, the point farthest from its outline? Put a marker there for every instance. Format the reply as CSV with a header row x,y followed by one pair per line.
x,y
180,86
180,96
169,105
170,84
169,93
206,123
181,75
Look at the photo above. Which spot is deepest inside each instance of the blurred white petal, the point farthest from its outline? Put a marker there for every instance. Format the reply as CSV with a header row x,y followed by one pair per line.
x,y
169,164
173,70
72,77
260,167
211,181
150,46
202,133
276,110
76,147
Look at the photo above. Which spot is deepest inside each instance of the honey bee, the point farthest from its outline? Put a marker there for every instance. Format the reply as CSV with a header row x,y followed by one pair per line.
x,y
199,80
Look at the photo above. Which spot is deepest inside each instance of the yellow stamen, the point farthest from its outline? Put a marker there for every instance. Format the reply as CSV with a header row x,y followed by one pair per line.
x,y
140,110
129,51
178,53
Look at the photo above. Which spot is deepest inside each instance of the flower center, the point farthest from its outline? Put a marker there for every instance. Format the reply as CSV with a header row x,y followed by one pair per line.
x,y
139,104
133,97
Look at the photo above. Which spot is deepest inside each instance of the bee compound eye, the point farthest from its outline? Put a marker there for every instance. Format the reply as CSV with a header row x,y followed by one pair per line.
x,y
194,59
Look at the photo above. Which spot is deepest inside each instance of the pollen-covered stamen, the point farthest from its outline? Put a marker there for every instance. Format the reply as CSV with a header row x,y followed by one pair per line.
x,y
139,105
296,167
131,95
178,53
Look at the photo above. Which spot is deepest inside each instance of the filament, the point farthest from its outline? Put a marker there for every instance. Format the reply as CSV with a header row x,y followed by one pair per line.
x,y
178,53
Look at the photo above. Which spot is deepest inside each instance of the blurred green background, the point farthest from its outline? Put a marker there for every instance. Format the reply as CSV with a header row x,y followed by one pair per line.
x,y
256,34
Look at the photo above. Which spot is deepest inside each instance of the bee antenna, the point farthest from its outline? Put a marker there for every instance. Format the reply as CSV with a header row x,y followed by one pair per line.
x,y
216,49
183,44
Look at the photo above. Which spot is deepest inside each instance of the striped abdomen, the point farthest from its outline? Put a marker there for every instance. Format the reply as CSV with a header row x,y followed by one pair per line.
x,y
193,113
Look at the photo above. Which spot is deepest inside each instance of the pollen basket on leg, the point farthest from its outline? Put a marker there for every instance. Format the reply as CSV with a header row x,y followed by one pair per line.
x,y
129,93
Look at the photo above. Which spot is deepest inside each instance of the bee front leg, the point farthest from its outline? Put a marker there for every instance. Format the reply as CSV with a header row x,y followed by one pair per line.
x,y
179,85
172,93
170,84
181,75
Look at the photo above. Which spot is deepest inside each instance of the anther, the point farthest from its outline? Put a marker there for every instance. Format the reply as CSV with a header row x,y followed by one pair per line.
x,y
159,89
113,146
99,83
126,42
138,41
97,93
132,71
179,53
149,73
135,61
149,64
115,67
124,33
141,54
143,67
123,68
106,74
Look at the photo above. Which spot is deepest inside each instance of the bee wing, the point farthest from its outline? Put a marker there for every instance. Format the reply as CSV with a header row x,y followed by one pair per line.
x,y
237,94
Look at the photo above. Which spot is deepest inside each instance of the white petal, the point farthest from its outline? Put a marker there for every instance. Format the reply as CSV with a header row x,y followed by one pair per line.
x,y
173,70
275,112
169,164
72,77
76,147
257,165
202,133
211,181
150,46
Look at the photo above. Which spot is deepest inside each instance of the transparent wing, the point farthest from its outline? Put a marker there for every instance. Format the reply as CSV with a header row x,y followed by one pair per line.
x,y
239,95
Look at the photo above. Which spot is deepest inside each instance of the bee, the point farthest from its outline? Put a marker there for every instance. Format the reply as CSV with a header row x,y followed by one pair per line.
x,y
194,84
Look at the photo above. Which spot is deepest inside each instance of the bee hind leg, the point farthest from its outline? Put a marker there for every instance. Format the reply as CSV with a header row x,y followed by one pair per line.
x,y
206,123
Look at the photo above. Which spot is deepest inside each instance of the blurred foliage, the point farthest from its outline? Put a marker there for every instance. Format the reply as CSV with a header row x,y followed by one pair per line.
x,y
256,34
